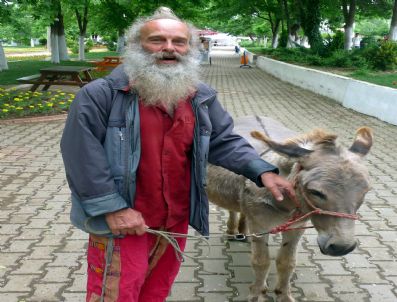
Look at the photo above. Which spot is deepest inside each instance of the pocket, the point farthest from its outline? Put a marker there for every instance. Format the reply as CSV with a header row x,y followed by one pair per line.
x,y
115,148
204,149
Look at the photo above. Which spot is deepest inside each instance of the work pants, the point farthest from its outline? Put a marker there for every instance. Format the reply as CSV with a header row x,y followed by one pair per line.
x,y
129,278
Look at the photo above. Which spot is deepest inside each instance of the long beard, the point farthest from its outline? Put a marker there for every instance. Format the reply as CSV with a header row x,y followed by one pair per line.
x,y
161,83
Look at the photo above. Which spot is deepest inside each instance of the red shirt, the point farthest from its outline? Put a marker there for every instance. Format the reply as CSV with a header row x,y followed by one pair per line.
x,y
163,176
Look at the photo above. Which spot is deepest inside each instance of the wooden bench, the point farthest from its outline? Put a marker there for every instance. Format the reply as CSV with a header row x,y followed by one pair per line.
x,y
32,79
58,75
108,62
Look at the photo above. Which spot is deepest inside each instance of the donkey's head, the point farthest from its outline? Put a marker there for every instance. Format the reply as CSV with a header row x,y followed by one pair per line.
x,y
331,178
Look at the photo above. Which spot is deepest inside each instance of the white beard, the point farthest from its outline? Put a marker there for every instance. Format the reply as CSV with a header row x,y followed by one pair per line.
x,y
161,84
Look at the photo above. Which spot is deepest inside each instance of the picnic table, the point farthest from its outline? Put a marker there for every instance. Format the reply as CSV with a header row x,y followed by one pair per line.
x,y
107,62
59,75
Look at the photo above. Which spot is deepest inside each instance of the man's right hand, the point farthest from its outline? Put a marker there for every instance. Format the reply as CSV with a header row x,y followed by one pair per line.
x,y
126,222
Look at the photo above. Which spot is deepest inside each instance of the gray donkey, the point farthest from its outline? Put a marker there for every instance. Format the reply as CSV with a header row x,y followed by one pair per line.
x,y
330,181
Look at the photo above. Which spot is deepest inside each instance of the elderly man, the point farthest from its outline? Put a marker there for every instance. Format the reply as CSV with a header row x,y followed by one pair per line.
x,y
135,148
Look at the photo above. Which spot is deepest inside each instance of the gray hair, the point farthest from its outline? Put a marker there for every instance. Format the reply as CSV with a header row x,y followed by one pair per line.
x,y
134,32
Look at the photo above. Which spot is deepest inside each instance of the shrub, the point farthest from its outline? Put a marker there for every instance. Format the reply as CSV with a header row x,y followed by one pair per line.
x,y
383,57
335,42
43,41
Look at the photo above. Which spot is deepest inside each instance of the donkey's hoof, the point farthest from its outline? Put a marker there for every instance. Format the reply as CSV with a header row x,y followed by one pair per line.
x,y
282,297
257,293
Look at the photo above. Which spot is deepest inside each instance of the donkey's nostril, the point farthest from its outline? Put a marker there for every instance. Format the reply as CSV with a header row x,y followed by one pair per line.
x,y
339,249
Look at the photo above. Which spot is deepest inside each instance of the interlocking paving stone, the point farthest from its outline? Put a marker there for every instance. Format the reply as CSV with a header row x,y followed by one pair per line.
x,y
42,258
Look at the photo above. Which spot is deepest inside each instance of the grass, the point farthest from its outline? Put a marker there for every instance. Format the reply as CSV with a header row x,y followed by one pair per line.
x,y
23,49
32,65
388,79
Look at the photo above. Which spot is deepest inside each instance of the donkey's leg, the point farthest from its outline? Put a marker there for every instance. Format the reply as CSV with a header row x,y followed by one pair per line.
x,y
242,225
286,262
260,262
232,223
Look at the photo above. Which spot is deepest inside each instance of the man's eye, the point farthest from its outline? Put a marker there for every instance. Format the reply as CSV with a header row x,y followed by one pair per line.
x,y
180,43
318,194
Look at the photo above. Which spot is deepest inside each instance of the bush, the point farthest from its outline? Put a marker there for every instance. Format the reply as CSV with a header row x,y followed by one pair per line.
x,y
110,42
335,42
383,57
43,41
74,45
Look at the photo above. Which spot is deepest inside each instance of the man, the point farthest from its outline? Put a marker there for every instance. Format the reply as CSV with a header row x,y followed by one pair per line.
x,y
357,40
135,147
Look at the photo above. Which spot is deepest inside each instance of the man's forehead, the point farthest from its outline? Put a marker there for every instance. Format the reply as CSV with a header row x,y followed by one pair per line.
x,y
164,25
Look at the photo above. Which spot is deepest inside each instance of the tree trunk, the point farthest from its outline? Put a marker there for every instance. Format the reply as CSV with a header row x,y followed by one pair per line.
x,y
82,21
393,24
81,48
275,35
54,46
3,59
349,34
349,12
120,42
59,50
49,38
63,50
310,16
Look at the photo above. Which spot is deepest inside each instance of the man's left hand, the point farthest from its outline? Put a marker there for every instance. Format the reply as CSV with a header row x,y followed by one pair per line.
x,y
279,186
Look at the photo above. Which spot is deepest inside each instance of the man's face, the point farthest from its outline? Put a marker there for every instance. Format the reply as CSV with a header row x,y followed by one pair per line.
x,y
165,36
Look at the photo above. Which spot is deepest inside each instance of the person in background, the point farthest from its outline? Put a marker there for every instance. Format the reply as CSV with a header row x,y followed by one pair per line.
x,y
357,40
135,148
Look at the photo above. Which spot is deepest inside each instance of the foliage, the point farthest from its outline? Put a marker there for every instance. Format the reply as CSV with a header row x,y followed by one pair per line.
x,y
335,42
373,27
383,57
17,103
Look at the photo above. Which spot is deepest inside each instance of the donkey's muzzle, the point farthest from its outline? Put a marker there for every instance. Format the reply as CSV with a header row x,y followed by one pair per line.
x,y
330,248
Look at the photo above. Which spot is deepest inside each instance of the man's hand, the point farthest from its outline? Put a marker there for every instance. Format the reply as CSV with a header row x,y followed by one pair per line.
x,y
279,186
126,222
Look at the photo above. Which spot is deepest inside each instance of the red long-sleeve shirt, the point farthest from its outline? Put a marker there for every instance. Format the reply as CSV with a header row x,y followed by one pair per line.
x,y
163,176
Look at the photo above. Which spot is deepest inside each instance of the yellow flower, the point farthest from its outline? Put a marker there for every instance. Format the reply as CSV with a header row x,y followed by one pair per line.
x,y
62,93
19,108
31,106
5,110
50,104
12,106
17,99
71,95
6,105
70,100
61,103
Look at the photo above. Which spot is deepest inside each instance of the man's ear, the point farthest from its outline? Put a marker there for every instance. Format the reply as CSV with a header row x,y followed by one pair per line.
x,y
290,149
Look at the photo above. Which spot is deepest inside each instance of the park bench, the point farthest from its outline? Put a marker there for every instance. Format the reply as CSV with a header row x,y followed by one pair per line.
x,y
58,75
108,62
32,79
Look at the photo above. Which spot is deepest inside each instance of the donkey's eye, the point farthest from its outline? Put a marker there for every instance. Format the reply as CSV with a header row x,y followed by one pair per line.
x,y
318,194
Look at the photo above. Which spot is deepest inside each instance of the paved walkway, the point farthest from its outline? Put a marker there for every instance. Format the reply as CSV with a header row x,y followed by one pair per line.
x,y
42,256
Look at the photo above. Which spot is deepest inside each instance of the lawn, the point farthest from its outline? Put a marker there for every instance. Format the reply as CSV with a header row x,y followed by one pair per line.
x,y
31,65
23,49
387,78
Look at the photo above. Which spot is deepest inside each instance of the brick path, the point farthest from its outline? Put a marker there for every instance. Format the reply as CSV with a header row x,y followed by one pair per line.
x,y
42,256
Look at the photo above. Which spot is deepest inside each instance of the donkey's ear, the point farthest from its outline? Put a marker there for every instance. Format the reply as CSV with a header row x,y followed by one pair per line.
x,y
363,141
289,148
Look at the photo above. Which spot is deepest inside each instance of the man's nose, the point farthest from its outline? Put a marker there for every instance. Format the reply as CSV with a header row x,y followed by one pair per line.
x,y
168,46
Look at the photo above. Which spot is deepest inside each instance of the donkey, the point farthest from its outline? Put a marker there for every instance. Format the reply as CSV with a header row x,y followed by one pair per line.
x,y
330,183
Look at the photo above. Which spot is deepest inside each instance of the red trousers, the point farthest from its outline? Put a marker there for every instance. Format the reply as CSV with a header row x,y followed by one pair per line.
x,y
128,277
